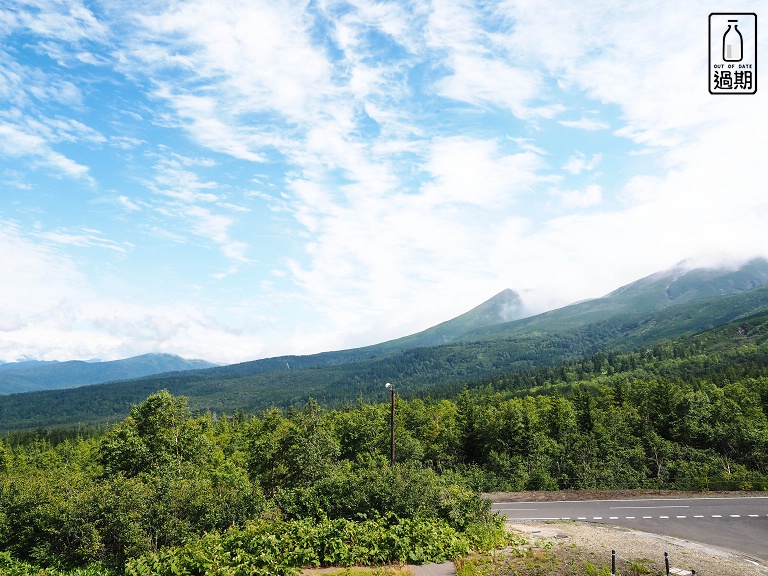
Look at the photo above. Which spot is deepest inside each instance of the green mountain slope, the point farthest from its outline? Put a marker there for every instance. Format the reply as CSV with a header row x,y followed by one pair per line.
x,y
663,290
31,376
476,346
436,370
499,308
499,317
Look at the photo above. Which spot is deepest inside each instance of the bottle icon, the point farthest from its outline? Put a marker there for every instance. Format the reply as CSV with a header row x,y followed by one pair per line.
x,y
733,43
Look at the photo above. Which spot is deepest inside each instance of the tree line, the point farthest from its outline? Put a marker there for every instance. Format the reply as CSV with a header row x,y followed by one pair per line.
x,y
168,488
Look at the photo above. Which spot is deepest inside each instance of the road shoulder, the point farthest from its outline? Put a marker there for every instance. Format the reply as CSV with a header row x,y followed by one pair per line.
x,y
598,540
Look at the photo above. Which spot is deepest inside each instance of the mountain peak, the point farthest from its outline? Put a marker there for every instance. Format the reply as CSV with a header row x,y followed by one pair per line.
x,y
503,307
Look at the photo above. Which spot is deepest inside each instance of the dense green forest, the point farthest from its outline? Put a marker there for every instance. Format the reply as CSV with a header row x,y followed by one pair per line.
x,y
168,490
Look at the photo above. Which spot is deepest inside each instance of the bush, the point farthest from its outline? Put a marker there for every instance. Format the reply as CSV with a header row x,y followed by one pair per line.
x,y
282,547
405,491
11,567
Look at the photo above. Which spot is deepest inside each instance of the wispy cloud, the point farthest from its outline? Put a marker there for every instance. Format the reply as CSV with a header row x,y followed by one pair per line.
x,y
579,163
42,276
56,19
83,238
483,71
17,141
38,118
591,124
196,209
246,71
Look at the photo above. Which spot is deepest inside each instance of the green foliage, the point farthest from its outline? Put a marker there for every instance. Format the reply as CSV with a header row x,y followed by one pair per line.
x,y
282,547
167,489
157,434
12,567
405,490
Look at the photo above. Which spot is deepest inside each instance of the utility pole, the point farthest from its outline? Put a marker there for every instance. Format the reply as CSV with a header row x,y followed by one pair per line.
x,y
391,388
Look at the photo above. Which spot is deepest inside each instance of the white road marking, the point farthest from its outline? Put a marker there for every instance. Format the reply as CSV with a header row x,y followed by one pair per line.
x,y
645,507
716,516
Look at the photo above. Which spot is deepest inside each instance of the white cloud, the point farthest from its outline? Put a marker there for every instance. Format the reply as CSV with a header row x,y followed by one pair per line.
x,y
83,238
50,310
191,208
255,59
60,20
42,280
482,81
470,171
626,60
128,204
412,247
592,195
590,124
16,141
578,163
125,142
482,71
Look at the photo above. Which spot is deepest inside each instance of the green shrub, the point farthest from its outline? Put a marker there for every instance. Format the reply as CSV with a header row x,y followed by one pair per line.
x,y
357,492
282,547
12,567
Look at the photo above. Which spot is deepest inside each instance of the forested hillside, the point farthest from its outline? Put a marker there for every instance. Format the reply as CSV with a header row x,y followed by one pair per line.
x,y
436,370
167,490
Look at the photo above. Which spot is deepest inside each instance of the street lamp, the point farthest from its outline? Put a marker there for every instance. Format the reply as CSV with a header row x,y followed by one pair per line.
x,y
391,388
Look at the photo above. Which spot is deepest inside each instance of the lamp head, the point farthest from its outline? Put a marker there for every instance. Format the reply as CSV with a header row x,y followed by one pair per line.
x,y
388,386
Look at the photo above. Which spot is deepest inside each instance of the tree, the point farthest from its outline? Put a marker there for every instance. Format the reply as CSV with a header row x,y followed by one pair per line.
x,y
158,433
584,403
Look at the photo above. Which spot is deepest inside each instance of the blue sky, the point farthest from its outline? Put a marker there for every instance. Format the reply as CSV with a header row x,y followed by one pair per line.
x,y
231,180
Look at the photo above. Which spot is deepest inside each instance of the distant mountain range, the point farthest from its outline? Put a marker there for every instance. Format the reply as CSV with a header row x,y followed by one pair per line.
x,y
31,375
473,347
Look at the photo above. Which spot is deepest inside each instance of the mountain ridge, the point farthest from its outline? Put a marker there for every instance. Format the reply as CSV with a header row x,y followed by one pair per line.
x,y
429,371
28,376
641,296
631,317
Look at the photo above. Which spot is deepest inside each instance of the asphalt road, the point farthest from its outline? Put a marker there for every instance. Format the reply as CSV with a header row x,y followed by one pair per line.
x,y
739,524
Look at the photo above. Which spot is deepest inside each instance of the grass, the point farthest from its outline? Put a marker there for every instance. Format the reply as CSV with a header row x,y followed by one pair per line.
x,y
548,560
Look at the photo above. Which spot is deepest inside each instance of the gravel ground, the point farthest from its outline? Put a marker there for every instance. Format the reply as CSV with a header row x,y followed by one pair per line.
x,y
573,495
598,540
